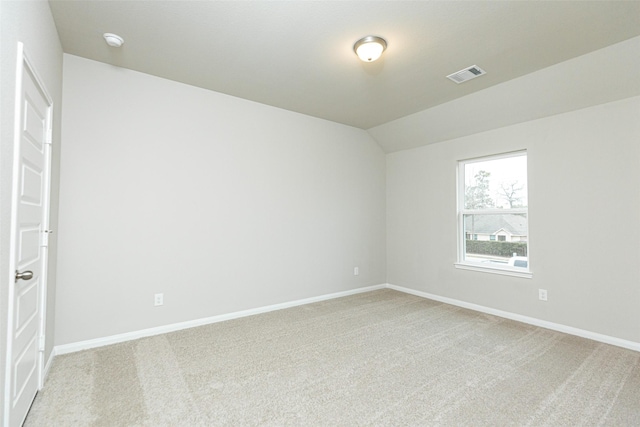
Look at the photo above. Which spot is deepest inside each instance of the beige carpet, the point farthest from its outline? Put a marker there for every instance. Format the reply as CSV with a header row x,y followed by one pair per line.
x,y
381,358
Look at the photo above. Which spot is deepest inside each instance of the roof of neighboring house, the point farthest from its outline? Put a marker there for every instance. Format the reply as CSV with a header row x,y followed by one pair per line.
x,y
490,224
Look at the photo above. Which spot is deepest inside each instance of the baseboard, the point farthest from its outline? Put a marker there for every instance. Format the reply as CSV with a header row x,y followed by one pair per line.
x,y
47,365
128,336
631,345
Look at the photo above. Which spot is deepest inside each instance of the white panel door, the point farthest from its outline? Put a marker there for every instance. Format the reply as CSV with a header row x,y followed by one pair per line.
x,y
30,240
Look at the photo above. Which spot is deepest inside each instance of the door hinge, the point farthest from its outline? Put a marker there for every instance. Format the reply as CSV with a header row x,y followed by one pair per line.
x,y
49,138
44,240
41,343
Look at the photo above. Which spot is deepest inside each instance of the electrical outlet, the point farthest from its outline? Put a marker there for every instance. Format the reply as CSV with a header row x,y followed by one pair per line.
x,y
158,299
542,294
356,271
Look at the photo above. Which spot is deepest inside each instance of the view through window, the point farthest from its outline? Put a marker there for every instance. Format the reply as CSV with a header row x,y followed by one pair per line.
x,y
493,214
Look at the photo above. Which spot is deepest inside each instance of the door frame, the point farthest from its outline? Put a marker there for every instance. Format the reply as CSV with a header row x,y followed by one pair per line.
x,y
25,64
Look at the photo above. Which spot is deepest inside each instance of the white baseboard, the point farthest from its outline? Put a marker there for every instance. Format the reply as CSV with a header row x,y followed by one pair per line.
x,y
128,336
631,345
47,366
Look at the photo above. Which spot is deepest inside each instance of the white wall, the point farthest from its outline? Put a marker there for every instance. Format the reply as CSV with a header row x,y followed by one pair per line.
x,y
584,199
31,23
219,203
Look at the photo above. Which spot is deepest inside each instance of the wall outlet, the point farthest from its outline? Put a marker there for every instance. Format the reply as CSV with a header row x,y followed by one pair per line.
x,y
542,294
158,299
356,271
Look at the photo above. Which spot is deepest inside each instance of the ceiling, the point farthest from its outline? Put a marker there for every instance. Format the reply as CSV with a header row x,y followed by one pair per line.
x,y
298,55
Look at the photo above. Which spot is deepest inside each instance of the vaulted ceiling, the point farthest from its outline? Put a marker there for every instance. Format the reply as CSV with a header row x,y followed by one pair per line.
x,y
298,55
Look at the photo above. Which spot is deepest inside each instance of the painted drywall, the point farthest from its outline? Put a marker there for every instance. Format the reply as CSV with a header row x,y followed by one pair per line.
x,y
31,23
592,79
219,203
583,172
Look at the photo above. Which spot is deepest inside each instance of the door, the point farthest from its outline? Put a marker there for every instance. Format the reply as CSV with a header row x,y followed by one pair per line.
x,y
30,203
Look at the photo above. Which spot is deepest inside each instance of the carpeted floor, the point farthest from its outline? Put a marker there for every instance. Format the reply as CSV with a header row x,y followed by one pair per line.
x,y
381,358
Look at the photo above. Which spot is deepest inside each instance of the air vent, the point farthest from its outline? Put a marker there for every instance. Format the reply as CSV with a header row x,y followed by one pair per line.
x,y
466,74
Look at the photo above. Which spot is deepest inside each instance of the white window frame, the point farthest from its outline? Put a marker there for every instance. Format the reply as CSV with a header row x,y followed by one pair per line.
x,y
474,266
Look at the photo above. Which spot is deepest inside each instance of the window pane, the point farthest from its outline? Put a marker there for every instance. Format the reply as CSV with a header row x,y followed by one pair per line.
x,y
498,239
499,183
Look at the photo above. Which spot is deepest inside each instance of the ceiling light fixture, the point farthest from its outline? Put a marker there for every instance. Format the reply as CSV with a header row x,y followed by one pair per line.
x,y
370,48
113,40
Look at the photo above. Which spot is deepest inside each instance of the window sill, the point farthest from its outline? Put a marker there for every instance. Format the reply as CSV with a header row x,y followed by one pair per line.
x,y
494,270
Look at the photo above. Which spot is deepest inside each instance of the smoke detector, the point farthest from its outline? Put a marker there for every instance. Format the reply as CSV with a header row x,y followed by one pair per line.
x,y
466,74
113,40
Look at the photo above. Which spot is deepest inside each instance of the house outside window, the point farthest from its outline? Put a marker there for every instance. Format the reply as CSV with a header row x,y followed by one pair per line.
x,y
493,208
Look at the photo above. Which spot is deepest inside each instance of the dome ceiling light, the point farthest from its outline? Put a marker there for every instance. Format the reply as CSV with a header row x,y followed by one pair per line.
x,y
113,40
370,48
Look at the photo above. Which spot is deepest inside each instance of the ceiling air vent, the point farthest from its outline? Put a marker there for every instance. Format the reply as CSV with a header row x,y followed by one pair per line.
x,y
466,74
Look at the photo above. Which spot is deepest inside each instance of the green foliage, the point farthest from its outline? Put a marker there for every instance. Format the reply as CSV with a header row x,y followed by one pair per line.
x,y
477,196
504,249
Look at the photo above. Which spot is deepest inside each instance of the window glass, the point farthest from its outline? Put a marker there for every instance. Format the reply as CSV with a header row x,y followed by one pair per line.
x,y
500,183
494,211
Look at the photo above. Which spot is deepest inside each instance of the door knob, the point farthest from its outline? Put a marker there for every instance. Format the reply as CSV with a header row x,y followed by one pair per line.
x,y
26,275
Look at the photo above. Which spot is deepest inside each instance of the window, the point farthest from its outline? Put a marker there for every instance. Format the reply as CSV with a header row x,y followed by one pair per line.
x,y
493,208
